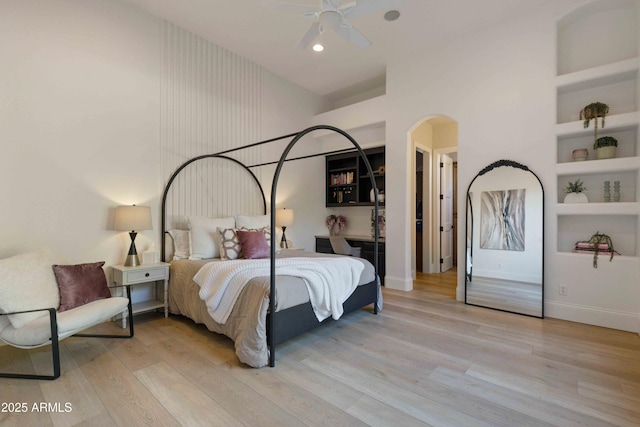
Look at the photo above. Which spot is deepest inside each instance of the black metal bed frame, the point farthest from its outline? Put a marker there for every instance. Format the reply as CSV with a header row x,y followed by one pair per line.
x,y
295,320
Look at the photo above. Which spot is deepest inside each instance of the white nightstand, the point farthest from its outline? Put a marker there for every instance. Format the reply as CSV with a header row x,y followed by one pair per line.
x,y
147,273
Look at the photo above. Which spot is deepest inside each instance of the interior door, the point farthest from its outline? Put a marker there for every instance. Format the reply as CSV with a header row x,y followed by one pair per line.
x,y
446,213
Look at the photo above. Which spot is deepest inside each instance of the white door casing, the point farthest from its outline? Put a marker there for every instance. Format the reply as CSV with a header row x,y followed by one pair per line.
x,y
446,213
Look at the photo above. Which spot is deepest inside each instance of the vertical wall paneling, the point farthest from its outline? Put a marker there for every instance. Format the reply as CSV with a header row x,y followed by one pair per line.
x,y
210,101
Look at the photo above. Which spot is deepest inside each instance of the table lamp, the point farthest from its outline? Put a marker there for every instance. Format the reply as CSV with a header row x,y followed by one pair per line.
x,y
284,218
132,218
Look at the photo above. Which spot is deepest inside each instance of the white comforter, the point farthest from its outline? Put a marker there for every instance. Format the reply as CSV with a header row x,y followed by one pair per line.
x,y
329,281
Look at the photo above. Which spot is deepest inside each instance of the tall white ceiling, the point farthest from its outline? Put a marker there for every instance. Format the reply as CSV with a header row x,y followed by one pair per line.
x,y
267,36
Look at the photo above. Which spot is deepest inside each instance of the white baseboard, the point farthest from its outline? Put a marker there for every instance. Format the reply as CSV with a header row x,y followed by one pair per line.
x,y
398,283
624,321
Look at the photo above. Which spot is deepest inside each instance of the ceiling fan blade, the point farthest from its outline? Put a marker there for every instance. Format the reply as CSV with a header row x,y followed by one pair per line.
x,y
330,4
347,31
365,7
292,7
312,33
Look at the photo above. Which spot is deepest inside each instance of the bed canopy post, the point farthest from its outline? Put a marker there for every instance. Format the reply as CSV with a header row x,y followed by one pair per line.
x,y
274,187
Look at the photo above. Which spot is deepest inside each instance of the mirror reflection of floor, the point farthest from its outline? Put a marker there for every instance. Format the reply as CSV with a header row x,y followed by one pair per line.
x,y
509,295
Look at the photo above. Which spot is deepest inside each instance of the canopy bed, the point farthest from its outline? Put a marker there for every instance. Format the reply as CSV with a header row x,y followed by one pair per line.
x,y
232,286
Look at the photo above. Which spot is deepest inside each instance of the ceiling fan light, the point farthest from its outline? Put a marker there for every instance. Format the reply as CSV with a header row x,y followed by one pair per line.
x,y
318,47
391,15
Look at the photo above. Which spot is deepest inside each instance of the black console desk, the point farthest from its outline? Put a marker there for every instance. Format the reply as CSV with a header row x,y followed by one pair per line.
x,y
365,242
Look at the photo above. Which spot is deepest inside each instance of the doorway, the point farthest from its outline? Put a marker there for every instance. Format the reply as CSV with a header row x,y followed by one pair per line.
x,y
435,142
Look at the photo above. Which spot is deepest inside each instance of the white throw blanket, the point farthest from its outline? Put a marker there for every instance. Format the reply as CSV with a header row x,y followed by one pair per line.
x,y
330,281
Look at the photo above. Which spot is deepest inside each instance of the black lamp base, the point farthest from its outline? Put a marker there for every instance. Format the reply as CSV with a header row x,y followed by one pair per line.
x,y
132,259
283,242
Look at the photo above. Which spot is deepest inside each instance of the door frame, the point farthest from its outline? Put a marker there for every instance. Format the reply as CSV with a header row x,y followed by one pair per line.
x,y
435,213
427,208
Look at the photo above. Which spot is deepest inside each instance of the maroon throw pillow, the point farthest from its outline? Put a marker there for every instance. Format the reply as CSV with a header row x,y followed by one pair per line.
x,y
80,284
254,244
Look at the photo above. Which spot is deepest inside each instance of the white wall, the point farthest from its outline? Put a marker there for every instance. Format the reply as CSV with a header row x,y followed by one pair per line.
x,y
83,116
78,125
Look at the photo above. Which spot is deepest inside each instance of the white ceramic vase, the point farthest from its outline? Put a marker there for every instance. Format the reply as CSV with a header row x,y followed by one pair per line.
x,y
576,198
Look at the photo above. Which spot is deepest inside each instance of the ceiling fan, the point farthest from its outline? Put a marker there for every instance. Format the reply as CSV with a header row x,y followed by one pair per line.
x,y
333,15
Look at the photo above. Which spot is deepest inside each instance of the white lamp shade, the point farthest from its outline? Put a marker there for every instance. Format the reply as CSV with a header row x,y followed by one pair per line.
x,y
284,217
131,218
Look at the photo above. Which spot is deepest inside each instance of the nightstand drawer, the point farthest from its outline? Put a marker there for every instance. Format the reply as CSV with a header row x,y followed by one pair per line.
x,y
144,275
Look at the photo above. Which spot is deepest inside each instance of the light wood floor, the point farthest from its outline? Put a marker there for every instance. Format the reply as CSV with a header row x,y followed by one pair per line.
x,y
424,360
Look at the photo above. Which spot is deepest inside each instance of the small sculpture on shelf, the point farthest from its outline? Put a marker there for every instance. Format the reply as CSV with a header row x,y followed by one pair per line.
x,y
607,191
598,244
575,192
605,147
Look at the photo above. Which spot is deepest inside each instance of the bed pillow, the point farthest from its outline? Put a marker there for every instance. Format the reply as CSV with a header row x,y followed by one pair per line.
x,y
255,222
204,239
254,244
267,235
27,282
229,244
80,284
180,244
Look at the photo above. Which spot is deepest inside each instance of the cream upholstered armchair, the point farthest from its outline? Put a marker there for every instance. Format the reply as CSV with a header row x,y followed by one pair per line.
x,y
42,302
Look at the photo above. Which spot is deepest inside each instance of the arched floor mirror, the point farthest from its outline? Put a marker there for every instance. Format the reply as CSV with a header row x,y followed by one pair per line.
x,y
504,266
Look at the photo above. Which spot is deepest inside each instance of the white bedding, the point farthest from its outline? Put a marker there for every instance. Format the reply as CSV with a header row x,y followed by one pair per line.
x,y
329,282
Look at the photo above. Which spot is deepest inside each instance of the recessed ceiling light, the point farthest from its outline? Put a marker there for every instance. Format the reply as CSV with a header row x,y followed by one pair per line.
x,y
318,47
392,15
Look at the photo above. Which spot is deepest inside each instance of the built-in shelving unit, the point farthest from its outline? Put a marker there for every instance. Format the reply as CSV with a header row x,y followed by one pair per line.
x,y
607,73
348,182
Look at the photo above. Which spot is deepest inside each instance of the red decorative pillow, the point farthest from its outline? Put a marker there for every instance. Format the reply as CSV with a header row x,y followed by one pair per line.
x,y
254,244
80,284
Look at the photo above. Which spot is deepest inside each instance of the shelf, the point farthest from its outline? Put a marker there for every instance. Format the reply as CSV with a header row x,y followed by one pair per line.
x,y
616,121
598,75
147,306
342,185
589,167
356,189
611,208
620,258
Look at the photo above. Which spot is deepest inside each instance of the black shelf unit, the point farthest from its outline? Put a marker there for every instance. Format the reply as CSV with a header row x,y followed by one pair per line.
x,y
347,178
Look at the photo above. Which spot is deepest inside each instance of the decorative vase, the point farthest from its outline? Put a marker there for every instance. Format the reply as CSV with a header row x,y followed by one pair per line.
x,y
605,152
607,191
576,198
335,229
616,191
579,155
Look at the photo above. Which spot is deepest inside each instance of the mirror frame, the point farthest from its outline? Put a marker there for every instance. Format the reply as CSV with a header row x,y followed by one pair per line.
x,y
468,270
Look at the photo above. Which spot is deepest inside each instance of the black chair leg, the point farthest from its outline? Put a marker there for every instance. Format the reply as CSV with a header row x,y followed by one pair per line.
x,y
55,346
130,309
55,353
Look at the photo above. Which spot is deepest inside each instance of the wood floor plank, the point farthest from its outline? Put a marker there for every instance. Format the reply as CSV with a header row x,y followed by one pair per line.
x,y
72,393
545,412
182,399
128,401
567,398
378,414
308,409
